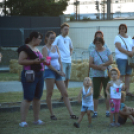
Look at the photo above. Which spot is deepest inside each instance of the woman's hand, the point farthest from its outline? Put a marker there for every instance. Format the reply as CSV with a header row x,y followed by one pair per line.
x,y
102,67
130,53
37,61
61,73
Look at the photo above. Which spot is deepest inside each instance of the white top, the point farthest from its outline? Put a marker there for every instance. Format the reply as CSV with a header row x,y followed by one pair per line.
x,y
54,58
115,91
133,41
129,44
64,44
88,101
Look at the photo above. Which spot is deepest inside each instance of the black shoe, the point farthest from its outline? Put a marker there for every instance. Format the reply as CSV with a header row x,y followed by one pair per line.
x,y
76,125
53,117
94,115
107,114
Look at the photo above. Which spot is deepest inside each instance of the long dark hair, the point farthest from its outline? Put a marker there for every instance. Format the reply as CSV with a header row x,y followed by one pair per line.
x,y
32,35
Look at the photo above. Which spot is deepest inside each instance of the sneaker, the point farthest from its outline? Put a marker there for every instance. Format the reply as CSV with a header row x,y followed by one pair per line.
x,y
112,124
76,125
107,114
39,122
23,124
94,115
61,99
117,124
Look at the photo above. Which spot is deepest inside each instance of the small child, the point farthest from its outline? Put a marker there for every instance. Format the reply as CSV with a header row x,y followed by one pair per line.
x,y
115,86
125,112
87,101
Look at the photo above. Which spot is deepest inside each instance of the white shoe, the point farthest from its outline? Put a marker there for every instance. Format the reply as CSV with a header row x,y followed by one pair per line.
x,y
23,124
39,122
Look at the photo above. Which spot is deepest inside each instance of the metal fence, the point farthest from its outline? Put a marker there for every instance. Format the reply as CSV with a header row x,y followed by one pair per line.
x,y
14,37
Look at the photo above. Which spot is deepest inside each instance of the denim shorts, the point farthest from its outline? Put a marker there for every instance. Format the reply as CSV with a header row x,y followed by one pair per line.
x,y
123,67
66,70
50,74
33,89
85,109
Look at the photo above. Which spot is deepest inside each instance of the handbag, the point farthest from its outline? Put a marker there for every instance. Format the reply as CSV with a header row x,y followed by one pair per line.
x,y
30,75
108,67
130,59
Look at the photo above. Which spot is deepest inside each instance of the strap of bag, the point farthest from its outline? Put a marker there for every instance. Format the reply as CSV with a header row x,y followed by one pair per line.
x,y
101,59
124,43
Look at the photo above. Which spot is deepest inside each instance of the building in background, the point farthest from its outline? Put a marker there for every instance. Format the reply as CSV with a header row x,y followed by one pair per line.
x,y
97,9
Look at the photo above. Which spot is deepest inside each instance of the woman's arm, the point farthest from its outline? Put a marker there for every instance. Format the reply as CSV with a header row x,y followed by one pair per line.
x,y
91,64
118,46
24,61
59,59
110,61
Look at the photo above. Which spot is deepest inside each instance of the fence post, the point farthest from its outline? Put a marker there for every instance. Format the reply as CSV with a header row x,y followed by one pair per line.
x,y
22,36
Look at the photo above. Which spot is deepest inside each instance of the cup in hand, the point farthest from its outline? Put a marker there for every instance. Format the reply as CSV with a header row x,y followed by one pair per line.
x,y
48,60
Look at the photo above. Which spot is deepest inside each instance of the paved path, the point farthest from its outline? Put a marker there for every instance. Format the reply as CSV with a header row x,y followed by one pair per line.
x,y
15,86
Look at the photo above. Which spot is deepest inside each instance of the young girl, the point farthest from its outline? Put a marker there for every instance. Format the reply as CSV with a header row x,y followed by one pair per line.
x,y
87,101
115,86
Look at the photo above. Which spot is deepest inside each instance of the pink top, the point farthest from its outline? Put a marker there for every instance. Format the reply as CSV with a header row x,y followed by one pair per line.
x,y
42,65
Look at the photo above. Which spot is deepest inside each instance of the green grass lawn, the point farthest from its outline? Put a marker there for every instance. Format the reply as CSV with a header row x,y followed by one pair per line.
x,y
7,76
9,123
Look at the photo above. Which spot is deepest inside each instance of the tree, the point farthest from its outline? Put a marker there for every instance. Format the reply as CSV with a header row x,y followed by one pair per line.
x,y
34,7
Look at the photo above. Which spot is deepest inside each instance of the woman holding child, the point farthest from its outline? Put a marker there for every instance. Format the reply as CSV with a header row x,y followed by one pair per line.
x,y
100,59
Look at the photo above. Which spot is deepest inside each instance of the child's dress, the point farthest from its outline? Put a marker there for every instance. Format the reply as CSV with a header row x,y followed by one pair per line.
x,y
115,97
87,102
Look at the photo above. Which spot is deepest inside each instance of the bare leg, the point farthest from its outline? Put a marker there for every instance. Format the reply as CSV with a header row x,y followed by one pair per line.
x,y
81,117
131,118
24,109
89,117
62,89
66,83
49,88
36,109
111,117
116,117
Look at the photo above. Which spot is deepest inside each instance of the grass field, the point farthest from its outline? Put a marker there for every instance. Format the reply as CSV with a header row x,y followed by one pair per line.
x,y
9,123
7,76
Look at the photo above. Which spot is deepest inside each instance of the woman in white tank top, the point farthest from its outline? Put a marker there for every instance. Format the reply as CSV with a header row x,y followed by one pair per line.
x,y
54,73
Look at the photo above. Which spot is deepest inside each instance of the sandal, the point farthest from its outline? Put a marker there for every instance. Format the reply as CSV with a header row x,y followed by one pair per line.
x,y
39,122
23,124
73,117
53,117
129,94
76,125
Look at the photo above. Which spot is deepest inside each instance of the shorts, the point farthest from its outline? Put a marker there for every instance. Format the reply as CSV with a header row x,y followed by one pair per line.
x,y
123,67
122,120
114,105
50,74
33,89
96,85
66,70
85,109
